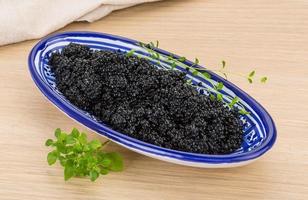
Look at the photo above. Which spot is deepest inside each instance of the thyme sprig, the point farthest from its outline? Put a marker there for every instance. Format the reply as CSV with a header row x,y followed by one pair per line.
x,y
215,91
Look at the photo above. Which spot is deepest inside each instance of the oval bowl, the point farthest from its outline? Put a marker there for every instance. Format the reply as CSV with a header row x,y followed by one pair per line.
x,y
259,129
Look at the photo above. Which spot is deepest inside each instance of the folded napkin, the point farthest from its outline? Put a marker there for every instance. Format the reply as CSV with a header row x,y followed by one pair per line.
x,y
23,20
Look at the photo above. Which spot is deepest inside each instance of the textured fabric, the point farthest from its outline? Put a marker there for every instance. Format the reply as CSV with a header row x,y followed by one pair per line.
x,y
30,19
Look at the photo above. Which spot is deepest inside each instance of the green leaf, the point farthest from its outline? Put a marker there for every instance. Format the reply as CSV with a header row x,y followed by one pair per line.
x,y
75,133
83,163
69,172
61,148
219,86
141,44
234,101
77,148
195,73
151,44
104,171
212,97
173,65
94,175
219,97
223,64
243,112
95,144
189,81
63,162
182,59
70,139
130,53
249,80
116,161
106,162
263,79
49,142
156,55
62,137
86,148
57,132
196,61
52,157
83,138
206,75
91,159
251,74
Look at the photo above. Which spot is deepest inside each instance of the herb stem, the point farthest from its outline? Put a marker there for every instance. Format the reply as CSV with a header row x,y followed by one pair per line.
x,y
232,73
105,143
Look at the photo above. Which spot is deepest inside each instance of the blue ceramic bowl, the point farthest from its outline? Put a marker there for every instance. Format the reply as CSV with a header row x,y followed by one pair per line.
x,y
259,129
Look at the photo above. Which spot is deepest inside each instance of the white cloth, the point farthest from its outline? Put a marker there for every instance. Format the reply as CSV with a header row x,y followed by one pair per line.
x,y
29,19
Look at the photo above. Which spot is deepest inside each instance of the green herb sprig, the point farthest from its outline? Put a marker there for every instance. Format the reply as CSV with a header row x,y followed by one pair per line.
x,y
216,88
80,157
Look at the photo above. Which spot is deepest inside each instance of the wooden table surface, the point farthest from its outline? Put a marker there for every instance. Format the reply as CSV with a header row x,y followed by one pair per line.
x,y
268,36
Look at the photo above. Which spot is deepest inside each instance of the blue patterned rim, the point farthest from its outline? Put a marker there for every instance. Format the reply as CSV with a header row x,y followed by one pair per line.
x,y
140,145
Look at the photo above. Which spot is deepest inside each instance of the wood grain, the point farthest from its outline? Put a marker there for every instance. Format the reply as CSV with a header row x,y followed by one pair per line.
x,y
269,36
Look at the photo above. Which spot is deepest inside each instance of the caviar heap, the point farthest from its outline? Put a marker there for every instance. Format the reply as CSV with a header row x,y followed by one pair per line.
x,y
136,98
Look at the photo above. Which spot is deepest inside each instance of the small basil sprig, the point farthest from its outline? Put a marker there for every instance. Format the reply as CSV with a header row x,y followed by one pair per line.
x,y
80,157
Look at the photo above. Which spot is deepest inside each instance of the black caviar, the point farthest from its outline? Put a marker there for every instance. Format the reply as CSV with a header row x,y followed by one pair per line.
x,y
153,105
